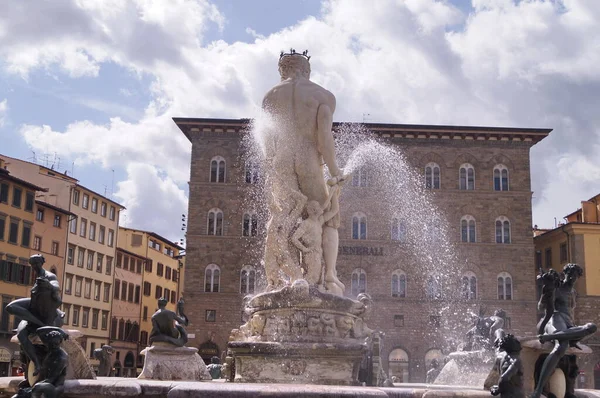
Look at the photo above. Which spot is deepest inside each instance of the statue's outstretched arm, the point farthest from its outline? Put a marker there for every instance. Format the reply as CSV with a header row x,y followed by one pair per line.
x,y
325,142
295,239
334,198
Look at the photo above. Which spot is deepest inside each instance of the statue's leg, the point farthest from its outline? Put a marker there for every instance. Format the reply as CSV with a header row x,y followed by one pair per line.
x,y
574,333
183,337
20,309
28,347
330,253
560,348
314,265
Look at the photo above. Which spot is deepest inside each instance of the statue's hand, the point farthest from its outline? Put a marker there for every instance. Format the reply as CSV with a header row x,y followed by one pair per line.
x,y
495,390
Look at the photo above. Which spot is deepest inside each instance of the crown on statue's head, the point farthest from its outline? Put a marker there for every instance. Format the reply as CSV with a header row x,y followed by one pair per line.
x,y
293,52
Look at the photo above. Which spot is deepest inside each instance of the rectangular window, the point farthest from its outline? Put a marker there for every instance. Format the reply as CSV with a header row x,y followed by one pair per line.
x,y
538,259
125,262
92,231
159,269
80,257
111,215
158,293
111,237
211,316
103,209
90,260
548,258
106,292
87,293
148,267
67,311
4,321
119,263
99,259
39,214
73,225
78,283
175,276
76,310
398,321
85,317
563,253
2,227
86,201
83,227
4,193
136,240
17,194
117,290
95,314
76,197
37,243
97,288
104,322
54,248
56,221
68,283
92,344
168,272
138,268
145,314
101,233
124,291
26,235
137,294
29,200
13,233
147,288
94,205
130,293
109,261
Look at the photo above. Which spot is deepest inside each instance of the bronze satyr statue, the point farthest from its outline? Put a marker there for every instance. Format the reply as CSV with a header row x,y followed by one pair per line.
x,y
53,368
510,368
104,355
558,302
39,310
162,324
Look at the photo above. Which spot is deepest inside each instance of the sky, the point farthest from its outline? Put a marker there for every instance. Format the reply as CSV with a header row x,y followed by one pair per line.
x,y
91,86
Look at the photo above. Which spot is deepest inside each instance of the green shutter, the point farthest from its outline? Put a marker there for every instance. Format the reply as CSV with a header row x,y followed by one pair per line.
x,y
3,266
26,274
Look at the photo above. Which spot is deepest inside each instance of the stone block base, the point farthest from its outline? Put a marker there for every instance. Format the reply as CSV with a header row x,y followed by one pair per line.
x,y
167,362
292,363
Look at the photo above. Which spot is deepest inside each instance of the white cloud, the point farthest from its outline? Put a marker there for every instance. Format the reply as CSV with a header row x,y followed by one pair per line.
x,y
3,111
528,63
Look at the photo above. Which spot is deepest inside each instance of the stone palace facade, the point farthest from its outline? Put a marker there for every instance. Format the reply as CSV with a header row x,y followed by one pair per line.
x,y
480,180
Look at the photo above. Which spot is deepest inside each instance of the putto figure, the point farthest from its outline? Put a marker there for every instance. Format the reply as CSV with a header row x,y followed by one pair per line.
x,y
510,368
296,148
162,324
558,303
104,355
39,310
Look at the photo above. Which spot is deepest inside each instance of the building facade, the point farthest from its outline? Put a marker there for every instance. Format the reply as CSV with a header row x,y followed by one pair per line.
x,y
479,178
578,241
18,210
89,251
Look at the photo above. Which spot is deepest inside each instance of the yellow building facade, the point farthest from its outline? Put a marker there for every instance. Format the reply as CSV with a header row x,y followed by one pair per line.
x,y
578,241
161,273
17,219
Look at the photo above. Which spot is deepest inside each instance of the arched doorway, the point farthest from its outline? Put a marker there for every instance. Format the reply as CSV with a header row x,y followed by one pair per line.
x,y
129,365
398,365
432,354
597,376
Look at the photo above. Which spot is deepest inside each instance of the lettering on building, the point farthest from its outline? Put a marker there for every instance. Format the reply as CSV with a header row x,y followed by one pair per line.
x,y
360,251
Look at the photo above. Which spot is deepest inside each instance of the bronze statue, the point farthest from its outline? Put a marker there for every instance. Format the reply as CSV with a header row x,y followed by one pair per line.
x,y
53,371
162,324
433,372
510,368
104,355
485,330
42,309
558,301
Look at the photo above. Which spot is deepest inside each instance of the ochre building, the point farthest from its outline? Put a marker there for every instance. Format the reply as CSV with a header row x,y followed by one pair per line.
x,y
479,177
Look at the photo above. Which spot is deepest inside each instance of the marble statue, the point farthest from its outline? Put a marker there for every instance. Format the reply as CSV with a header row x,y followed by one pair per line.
x,y
104,355
162,324
296,149
42,309
509,367
558,303
53,369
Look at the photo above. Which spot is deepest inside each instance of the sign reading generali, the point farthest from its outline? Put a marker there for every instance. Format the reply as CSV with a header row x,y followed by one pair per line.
x,y
360,251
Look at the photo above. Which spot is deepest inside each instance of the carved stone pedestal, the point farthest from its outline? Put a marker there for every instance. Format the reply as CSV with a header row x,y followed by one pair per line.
x,y
166,362
332,364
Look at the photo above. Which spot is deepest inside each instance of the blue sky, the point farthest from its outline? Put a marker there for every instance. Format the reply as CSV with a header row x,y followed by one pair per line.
x,y
96,84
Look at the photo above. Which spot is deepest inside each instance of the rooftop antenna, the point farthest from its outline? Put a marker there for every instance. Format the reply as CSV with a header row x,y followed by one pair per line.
x,y
112,184
72,169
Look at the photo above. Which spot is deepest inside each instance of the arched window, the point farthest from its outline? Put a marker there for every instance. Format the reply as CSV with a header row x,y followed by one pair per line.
x,y
359,177
217,169
398,283
502,230
432,354
466,177
433,290
212,277
432,176
135,332
128,330
398,365
251,172
359,281
247,279
500,178
469,286
214,224
359,226
121,329
467,229
398,230
250,224
505,286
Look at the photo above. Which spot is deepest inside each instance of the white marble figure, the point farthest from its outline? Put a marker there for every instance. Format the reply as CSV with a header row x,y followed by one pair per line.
x,y
296,148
